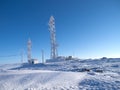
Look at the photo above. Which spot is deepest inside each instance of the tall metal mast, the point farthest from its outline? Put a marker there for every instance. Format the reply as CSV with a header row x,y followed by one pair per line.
x,y
53,38
29,50
22,56
42,56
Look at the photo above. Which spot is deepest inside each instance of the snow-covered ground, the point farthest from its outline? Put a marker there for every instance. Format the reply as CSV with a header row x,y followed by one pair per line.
x,y
39,80
99,74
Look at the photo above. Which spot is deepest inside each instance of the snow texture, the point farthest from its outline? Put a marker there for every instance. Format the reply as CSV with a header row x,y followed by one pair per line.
x,y
97,74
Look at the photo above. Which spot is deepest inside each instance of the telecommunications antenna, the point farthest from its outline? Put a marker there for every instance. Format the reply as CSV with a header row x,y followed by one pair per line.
x,y
53,38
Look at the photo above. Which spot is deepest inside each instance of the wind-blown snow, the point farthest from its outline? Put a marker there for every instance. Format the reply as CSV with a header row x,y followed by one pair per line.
x,y
101,74
39,79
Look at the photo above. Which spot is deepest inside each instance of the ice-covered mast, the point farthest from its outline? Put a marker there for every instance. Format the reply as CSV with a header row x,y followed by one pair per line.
x,y
52,30
29,45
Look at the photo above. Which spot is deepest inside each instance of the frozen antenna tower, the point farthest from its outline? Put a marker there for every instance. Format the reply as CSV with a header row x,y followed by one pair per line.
x,y
42,56
22,56
29,50
53,37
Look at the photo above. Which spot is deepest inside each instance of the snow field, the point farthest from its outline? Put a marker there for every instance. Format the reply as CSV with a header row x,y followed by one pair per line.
x,y
40,80
97,74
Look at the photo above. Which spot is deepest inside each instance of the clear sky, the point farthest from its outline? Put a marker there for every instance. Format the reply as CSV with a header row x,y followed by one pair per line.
x,y
84,28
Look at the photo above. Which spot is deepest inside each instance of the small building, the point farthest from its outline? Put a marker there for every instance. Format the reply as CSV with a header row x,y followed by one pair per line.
x,y
69,58
33,61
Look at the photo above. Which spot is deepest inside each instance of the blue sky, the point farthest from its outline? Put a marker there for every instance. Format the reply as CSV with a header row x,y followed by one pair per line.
x,y
84,28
